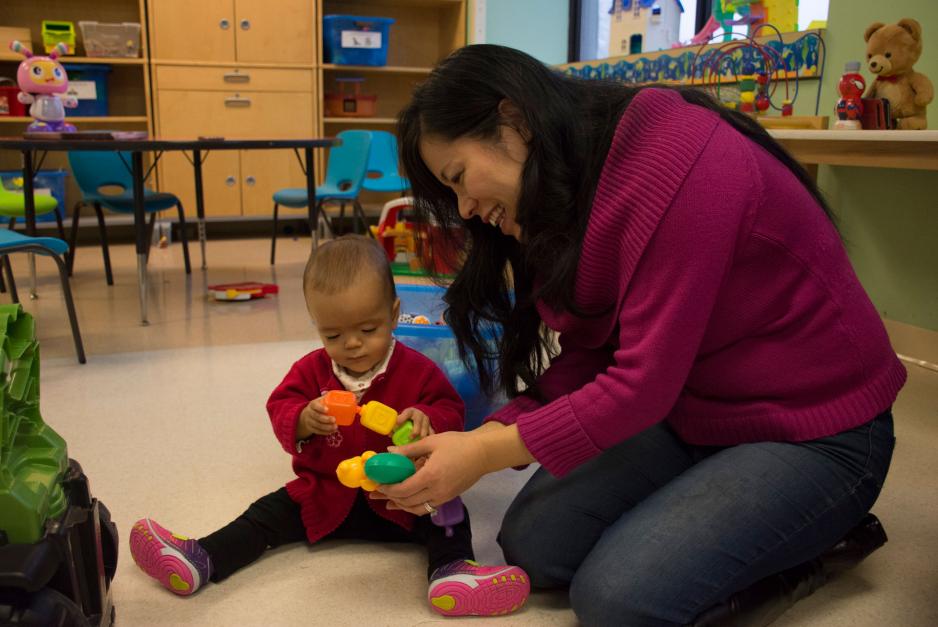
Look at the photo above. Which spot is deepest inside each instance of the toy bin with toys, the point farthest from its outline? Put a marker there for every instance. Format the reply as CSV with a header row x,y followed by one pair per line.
x,y
355,39
435,339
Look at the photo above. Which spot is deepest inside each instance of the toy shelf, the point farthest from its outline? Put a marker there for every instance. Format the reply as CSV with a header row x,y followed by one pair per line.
x,y
370,69
365,121
104,119
915,150
6,56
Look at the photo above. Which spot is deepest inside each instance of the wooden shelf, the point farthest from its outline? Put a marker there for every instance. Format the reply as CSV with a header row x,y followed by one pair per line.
x,y
108,119
404,3
914,150
372,69
8,56
240,64
360,120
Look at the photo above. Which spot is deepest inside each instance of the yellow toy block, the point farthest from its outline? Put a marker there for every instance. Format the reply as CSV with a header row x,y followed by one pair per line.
x,y
351,472
378,417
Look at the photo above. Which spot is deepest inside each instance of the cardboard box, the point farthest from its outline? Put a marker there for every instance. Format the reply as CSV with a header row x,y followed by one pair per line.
x,y
14,33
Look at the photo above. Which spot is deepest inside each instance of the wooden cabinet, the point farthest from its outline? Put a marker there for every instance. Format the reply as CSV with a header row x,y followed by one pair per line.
x,y
264,103
228,31
236,69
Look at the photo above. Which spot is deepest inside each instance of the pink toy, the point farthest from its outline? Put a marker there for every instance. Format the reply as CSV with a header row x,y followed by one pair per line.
x,y
41,79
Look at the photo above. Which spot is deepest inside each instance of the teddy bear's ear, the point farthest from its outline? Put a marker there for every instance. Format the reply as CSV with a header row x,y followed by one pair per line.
x,y
914,28
872,28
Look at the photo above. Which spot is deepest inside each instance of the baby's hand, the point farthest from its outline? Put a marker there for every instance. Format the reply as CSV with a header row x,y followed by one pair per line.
x,y
421,422
314,420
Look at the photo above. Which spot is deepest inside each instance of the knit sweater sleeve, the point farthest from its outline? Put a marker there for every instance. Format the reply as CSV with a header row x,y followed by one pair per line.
x,y
440,402
663,311
288,400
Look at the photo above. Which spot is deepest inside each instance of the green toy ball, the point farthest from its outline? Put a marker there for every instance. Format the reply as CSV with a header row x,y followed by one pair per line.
x,y
389,468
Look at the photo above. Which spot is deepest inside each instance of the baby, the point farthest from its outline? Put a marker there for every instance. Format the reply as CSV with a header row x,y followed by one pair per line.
x,y
352,301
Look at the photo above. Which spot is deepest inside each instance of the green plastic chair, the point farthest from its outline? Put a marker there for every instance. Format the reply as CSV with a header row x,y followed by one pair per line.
x,y
13,207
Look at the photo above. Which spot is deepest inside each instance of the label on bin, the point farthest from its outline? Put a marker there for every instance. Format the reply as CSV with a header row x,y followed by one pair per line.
x,y
361,39
83,90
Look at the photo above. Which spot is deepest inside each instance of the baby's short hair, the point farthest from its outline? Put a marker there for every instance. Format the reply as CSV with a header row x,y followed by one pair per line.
x,y
334,265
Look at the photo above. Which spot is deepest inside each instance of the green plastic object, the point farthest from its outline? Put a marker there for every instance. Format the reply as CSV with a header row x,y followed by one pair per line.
x,y
389,468
403,434
55,32
33,457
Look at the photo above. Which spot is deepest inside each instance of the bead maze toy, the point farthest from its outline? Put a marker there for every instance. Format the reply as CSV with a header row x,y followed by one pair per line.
x,y
41,80
369,469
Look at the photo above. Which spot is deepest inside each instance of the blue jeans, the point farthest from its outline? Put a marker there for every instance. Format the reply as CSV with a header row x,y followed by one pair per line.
x,y
654,531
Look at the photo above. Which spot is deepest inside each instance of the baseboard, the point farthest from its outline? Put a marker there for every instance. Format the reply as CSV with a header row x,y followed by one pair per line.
x,y
914,345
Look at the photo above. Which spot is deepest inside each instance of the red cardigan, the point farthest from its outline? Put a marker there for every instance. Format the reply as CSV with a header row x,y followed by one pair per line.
x,y
410,380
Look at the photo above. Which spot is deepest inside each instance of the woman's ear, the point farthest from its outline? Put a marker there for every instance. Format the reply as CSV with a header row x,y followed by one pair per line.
x,y
514,118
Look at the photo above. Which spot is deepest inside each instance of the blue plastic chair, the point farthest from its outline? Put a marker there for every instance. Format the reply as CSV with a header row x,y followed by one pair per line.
x,y
345,172
94,171
382,161
13,242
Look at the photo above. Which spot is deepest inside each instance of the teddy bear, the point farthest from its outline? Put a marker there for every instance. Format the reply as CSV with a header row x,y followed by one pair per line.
x,y
891,51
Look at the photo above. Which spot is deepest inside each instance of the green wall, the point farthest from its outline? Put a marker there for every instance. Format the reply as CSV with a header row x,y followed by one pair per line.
x,y
538,27
888,217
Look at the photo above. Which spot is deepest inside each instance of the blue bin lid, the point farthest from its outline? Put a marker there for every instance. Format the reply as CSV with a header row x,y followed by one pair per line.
x,y
102,68
358,18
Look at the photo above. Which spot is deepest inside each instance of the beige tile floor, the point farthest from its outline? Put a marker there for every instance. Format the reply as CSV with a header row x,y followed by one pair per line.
x,y
168,420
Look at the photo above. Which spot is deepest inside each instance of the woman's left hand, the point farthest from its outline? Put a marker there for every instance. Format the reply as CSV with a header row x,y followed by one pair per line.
x,y
454,461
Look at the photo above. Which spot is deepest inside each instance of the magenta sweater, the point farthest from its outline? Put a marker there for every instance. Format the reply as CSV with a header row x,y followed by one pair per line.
x,y
734,313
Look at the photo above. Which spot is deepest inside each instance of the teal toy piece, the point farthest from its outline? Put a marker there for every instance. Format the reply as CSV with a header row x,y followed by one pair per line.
x,y
389,468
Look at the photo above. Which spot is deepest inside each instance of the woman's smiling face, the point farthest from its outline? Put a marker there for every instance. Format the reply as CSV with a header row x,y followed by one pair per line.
x,y
485,176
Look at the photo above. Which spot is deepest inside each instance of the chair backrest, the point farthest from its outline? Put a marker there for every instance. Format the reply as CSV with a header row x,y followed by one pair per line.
x,y
382,159
348,161
94,170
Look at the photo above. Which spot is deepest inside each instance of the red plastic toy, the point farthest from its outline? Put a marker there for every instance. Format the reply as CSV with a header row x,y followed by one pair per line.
x,y
242,291
850,106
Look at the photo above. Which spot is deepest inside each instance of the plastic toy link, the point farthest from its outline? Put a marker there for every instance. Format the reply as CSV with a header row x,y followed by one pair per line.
x,y
367,470
41,80
378,417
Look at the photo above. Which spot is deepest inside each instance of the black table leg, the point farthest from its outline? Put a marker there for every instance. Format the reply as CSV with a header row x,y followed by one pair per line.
x,y
29,205
140,229
199,200
311,195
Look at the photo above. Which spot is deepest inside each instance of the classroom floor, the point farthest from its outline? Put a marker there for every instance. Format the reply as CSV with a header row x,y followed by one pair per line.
x,y
168,421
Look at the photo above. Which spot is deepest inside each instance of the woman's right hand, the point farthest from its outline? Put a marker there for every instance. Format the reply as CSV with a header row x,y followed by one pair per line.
x,y
314,420
454,461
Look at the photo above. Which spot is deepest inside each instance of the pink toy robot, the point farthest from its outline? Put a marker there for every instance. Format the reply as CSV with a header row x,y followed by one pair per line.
x,y
41,80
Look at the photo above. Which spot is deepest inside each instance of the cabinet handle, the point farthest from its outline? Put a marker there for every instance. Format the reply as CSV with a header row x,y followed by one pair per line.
x,y
224,24
230,181
250,181
237,101
237,77
245,24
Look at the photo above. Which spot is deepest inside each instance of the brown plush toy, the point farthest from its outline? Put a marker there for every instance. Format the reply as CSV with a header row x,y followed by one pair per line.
x,y
891,51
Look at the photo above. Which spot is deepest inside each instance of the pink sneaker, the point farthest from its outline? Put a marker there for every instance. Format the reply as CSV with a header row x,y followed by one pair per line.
x,y
177,562
464,588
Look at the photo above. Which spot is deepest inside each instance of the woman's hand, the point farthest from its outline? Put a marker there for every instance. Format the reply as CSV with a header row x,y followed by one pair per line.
x,y
452,462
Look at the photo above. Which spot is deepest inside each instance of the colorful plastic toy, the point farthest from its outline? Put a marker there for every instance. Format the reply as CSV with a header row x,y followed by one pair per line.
x,y
850,106
376,416
41,80
54,33
242,291
367,470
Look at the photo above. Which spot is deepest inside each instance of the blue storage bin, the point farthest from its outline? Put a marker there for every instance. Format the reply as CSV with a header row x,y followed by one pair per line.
x,y
45,181
355,39
88,83
437,342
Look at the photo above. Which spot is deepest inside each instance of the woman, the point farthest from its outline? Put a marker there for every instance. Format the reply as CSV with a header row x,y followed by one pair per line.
x,y
719,410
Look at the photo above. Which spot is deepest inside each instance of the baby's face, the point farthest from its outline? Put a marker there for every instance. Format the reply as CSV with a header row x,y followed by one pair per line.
x,y
355,325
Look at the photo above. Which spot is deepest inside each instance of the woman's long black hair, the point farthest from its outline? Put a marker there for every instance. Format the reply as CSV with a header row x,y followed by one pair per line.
x,y
570,123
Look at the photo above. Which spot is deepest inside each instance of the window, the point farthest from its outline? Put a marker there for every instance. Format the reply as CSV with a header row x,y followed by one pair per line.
x,y
604,28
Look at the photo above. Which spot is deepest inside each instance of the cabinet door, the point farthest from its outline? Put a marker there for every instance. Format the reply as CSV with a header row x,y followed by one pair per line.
x,y
283,33
277,116
193,31
190,114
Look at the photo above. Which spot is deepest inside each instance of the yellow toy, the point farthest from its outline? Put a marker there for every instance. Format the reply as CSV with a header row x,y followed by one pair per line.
x,y
351,472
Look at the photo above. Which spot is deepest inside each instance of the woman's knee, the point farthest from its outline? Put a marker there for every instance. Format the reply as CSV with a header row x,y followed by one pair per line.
x,y
617,598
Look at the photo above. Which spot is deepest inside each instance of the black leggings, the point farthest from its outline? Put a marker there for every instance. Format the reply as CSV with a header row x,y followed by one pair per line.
x,y
274,520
